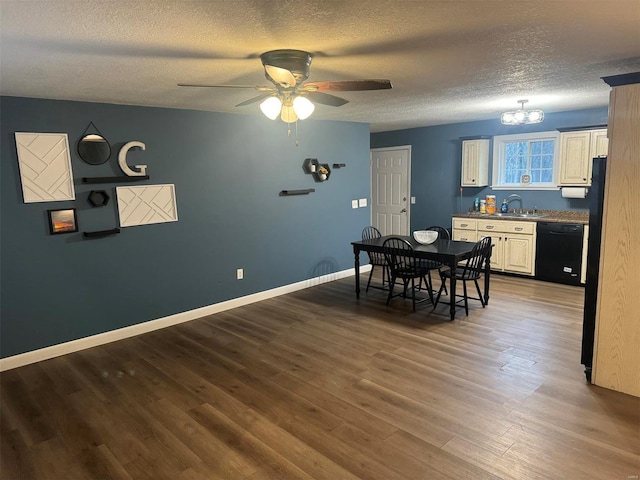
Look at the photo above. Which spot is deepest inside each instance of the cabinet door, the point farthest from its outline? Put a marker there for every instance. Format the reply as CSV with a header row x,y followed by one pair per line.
x,y
470,156
475,163
518,253
575,158
599,143
497,251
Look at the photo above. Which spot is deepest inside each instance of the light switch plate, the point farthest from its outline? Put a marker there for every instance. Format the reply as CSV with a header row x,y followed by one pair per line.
x,y
362,202
354,203
413,200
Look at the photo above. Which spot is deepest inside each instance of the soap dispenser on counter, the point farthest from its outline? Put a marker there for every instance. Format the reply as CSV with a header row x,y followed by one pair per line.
x,y
504,208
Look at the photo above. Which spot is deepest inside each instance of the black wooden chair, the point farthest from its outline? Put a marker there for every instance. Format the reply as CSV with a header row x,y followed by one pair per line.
x,y
404,265
443,234
376,259
472,271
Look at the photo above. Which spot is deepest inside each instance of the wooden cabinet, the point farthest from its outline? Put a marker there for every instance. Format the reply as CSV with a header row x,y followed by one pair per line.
x,y
514,245
519,251
616,354
464,230
475,163
577,150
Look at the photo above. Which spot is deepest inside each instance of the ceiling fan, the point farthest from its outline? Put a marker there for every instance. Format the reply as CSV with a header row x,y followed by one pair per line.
x,y
289,97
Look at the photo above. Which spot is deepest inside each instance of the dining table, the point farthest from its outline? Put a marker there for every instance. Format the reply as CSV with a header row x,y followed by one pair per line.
x,y
447,252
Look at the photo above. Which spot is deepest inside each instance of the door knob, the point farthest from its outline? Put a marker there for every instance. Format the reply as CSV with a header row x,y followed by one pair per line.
x,y
404,210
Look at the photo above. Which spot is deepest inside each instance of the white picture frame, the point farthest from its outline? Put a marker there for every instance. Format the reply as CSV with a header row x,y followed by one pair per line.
x,y
146,204
45,167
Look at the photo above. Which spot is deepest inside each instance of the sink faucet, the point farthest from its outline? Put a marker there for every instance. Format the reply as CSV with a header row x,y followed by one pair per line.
x,y
515,196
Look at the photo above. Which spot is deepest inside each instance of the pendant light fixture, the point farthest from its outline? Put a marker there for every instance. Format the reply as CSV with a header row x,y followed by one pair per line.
x,y
289,110
522,116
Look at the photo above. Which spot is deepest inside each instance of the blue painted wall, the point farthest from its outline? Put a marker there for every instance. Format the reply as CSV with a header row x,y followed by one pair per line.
x,y
227,169
436,154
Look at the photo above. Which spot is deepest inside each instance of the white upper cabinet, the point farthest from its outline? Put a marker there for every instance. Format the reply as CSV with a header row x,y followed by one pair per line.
x,y
475,163
577,150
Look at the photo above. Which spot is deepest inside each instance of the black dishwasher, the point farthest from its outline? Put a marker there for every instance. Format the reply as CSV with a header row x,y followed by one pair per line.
x,y
559,252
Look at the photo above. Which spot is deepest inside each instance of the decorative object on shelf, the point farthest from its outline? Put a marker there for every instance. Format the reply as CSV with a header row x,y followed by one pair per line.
x,y
522,116
120,179
93,148
122,160
101,233
63,220
310,165
145,205
323,172
285,193
320,171
425,237
45,167
98,198
339,165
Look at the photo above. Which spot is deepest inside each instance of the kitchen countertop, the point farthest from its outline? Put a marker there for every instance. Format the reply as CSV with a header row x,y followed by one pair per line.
x,y
556,216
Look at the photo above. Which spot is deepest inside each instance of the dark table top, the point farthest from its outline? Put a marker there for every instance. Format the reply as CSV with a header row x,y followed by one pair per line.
x,y
441,248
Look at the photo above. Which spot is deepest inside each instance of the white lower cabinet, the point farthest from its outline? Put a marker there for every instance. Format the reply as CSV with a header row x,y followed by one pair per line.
x,y
514,243
464,230
519,251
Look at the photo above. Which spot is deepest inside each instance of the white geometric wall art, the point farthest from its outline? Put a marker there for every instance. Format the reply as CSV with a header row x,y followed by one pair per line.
x,y
45,167
146,204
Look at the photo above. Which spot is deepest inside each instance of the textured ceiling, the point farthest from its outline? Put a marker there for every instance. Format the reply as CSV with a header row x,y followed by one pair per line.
x,y
449,61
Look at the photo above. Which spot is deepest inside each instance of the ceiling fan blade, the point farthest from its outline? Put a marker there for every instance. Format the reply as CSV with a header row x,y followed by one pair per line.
x,y
348,85
281,76
326,99
254,99
255,87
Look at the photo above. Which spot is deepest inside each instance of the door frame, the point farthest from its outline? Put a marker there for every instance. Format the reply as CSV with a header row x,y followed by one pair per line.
x,y
381,149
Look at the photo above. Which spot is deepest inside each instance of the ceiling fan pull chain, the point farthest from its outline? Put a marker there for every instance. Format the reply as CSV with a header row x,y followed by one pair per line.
x,y
297,142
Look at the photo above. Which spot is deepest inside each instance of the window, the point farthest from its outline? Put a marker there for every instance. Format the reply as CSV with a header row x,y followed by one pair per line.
x,y
527,161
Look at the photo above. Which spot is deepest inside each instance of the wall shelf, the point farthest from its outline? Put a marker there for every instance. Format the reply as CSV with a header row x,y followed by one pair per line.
x,y
286,193
320,171
120,179
101,233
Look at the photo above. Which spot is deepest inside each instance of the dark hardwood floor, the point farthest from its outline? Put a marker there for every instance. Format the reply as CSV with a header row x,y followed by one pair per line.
x,y
319,385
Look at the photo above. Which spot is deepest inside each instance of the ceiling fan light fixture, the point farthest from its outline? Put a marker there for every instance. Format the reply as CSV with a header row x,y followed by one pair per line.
x,y
303,107
522,116
288,114
271,107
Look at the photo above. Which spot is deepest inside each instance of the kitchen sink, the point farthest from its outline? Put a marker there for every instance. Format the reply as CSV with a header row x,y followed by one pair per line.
x,y
516,215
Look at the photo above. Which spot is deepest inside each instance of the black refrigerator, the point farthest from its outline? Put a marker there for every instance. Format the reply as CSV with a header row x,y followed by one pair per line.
x,y
596,203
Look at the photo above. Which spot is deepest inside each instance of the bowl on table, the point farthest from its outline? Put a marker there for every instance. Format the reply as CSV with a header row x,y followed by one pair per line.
x,y
425,237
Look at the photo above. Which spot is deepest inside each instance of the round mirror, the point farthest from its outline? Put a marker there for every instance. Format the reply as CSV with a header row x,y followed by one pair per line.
x,y
94,149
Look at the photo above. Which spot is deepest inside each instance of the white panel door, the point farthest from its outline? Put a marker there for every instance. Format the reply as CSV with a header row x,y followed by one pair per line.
x,y
390,189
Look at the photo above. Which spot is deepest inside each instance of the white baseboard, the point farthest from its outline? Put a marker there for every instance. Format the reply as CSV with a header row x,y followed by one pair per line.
x,y
107,337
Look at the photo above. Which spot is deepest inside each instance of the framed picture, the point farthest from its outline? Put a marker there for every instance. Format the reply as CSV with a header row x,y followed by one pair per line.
x,y
63,221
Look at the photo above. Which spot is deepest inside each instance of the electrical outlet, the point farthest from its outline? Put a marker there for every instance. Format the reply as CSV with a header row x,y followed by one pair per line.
x,y
362,202
354,203
240,274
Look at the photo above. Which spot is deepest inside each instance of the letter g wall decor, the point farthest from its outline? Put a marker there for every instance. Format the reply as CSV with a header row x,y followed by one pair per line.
x,y
122,160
